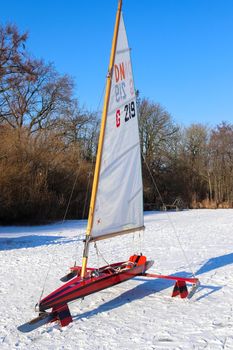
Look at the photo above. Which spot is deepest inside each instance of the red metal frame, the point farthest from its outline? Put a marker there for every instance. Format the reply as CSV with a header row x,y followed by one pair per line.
x,y
180,287
175,278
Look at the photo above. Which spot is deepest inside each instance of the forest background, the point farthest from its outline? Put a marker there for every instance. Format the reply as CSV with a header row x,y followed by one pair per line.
x,y
48,144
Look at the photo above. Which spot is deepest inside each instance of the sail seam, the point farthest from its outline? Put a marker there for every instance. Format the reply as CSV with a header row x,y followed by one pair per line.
x,y
122,155
123,50
135,195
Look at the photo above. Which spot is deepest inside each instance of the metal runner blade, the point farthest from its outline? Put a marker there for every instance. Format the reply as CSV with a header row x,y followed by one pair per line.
x,y
36,323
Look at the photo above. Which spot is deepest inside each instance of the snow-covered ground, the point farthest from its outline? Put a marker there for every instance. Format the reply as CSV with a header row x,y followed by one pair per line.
x,y
137,314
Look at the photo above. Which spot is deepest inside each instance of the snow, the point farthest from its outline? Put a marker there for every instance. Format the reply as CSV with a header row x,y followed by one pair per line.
x,y
137,314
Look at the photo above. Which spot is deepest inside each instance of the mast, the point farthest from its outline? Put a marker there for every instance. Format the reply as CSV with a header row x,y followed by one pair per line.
x,y
101,141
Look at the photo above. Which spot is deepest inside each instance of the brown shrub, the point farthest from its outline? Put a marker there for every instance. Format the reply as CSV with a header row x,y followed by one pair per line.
x,y
37,175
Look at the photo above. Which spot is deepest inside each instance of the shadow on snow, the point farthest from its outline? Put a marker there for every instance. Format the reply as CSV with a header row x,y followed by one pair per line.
x,y
216,263
152,286
139,292
32,241
210,265
18,237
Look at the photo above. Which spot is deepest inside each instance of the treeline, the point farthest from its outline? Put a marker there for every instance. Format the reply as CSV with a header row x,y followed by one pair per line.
x,y
193,164
47,142
48,145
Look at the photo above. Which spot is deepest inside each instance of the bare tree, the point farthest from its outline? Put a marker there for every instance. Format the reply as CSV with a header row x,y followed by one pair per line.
x,y
221,163
81,128
194,159
36,103
158,136
15,63
156,129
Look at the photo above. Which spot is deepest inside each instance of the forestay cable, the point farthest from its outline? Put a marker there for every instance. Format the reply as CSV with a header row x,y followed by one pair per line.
x,y
169,219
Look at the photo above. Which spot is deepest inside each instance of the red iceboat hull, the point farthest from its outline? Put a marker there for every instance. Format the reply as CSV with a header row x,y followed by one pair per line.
x,y
108,276
94,281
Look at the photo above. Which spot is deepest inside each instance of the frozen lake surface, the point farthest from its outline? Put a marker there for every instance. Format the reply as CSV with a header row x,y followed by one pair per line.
x,y
137,314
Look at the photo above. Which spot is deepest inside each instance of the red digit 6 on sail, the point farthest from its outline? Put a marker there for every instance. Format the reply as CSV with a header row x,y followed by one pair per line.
x,y
118,120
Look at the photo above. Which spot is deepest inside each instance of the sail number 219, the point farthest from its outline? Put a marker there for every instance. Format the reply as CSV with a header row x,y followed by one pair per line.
x,y
130,112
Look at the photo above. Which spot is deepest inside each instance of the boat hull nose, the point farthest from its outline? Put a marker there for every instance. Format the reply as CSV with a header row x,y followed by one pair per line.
x,y
149,263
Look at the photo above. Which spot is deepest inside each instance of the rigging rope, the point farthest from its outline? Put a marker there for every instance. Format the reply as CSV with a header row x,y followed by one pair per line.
x,y
47,274
85,202
68,204
169,218
99,254
71,194
63,221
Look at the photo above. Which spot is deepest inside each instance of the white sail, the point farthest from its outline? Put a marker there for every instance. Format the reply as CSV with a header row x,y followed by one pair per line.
x,y
119,200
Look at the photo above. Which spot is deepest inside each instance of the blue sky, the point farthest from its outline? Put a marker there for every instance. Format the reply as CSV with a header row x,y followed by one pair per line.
x,y
182,50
